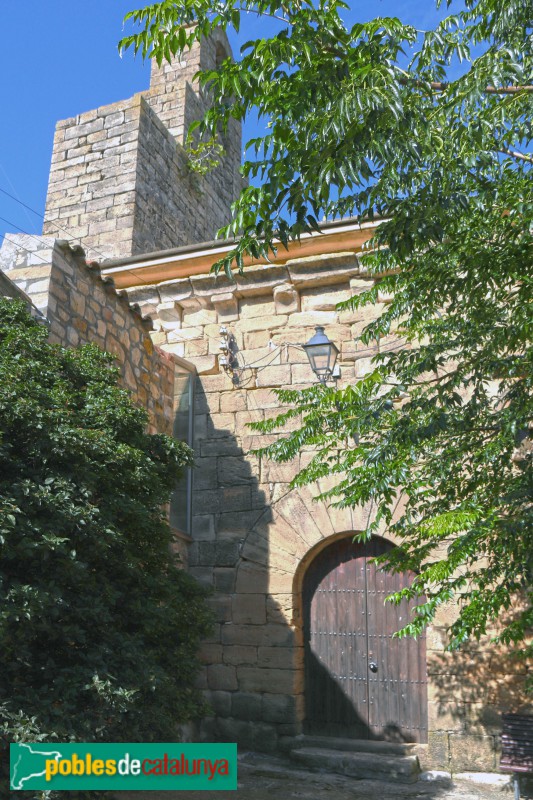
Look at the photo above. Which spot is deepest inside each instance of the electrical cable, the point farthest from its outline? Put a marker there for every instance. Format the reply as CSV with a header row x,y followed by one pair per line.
x,y
31,252
53,224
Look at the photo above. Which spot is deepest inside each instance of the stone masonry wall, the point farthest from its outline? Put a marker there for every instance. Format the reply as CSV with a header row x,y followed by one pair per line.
x,y
253,537
91,188
82,307
120,181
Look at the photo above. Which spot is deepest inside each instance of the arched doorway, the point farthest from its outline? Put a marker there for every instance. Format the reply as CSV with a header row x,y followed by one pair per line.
x,y
360,681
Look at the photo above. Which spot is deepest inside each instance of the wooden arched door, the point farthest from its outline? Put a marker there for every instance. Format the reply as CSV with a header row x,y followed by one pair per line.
x,y
360,681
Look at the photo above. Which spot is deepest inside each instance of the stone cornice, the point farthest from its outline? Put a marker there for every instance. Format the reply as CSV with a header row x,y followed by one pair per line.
x,y
186,262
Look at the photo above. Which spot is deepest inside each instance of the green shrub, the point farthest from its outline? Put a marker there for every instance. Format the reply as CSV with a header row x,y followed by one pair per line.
x,y
99,627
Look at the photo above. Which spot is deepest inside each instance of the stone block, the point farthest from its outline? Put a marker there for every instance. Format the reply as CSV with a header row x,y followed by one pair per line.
x,y
245,705
205,474
240,655
203,575
256,307
471,752
250,579
226,306
233,525
170,315
236,498
249,609
302,373
320,300
324,270
185,334
222,677
220,605
280,708
202,316
220,425
224,579
280,609
279,376
256,549
280,580
205,403
200,429
203,528
445,716
363,366
210,653
203,499
272,472
265,323
211,448
196,347
260,399
289,730
437,638
280,657
235,470
260,493
233,401
206,365
235,730
220,702
438,754
481,718
260,279
257,635
385,297
218,553
274,681
286,299
264,738
256,339
312,319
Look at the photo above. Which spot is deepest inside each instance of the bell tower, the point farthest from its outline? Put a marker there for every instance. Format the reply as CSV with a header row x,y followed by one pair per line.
x,y
120,179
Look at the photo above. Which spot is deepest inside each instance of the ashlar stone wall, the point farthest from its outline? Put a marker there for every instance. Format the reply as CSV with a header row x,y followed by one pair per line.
x,y
253,537
120,179
81,306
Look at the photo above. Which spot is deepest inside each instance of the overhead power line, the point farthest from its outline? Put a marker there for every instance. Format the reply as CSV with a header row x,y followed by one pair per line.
x,y
53,224
31,252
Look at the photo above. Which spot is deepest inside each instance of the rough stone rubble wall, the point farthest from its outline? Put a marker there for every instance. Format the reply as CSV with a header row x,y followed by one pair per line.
x,y
120,182
81,307
252,535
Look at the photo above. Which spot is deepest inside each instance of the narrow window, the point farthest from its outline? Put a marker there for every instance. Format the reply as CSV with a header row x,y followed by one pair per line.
x,y
181,500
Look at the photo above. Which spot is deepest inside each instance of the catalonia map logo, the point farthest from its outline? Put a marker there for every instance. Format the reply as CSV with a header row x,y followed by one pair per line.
x,y
171,766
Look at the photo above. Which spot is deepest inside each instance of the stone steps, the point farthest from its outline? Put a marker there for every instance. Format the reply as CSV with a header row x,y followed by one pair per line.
x,y
376,764
355,745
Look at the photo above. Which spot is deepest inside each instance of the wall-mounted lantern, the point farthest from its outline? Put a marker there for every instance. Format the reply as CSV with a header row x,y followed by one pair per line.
x,y
322,354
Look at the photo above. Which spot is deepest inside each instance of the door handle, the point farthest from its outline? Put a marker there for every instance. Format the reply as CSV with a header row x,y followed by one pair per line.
x,y
373,667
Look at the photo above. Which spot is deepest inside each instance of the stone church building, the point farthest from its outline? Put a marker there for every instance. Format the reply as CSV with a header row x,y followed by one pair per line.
x,y
302,656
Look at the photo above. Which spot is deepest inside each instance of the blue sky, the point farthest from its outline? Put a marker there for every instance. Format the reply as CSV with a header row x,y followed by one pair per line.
x,y
60,58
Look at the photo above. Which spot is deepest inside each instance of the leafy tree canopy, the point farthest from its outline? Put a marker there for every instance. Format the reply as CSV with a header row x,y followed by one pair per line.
x,y
99,627
428,133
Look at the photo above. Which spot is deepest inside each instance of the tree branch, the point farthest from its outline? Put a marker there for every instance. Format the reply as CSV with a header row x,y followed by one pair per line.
x,y
516,154
441,86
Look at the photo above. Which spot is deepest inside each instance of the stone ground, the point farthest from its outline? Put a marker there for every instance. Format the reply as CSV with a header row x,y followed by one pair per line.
x,y
272,778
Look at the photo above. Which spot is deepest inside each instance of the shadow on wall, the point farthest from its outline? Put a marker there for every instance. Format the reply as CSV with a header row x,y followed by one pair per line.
x,y
254,674
253,677
471,689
